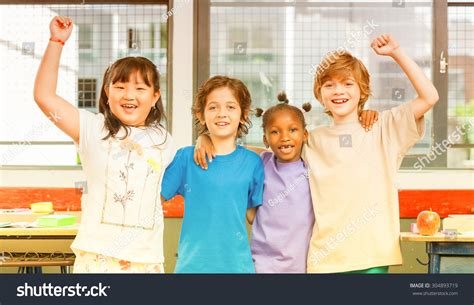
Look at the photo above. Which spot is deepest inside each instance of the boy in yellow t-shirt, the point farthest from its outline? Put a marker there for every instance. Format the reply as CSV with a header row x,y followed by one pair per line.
x,y
352,171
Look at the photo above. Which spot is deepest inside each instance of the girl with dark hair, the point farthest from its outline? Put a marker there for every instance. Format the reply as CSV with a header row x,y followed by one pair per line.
x,y
283,225
124,151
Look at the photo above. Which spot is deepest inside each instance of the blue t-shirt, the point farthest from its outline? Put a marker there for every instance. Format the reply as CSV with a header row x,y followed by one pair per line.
x,y
213,235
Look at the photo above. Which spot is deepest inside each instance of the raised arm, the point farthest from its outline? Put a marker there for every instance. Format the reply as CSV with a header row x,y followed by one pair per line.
x,y
62,113
427,93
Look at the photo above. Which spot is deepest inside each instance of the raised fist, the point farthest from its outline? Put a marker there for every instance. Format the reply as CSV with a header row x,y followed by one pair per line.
x,y
61,27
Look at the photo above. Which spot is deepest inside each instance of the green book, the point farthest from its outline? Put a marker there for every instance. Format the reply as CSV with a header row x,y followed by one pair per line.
x,y
52,221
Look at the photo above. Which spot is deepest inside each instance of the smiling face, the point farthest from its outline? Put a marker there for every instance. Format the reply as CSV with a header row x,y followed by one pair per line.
x,y
285,134
222,114
341,96
131,101
342,86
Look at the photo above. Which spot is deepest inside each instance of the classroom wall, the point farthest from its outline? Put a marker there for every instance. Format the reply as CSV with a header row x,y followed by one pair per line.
x,y
407,180
182,79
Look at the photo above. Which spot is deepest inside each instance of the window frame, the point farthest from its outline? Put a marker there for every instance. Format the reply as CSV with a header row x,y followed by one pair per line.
x,y
439,44
169,87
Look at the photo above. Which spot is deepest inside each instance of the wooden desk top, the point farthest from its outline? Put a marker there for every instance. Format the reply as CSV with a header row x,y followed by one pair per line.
x,y
438,237
51,232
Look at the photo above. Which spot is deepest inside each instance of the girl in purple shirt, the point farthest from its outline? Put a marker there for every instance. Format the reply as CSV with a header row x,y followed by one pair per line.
x,y
283,224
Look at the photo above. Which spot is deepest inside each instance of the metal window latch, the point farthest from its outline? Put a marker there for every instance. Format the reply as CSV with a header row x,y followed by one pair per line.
x,y
443,63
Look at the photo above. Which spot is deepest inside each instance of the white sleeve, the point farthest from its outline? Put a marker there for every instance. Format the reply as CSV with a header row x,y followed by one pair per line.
x,y
91,130
169,151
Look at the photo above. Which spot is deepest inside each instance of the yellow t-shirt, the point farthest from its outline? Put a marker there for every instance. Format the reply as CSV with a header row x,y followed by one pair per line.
x,y
354,192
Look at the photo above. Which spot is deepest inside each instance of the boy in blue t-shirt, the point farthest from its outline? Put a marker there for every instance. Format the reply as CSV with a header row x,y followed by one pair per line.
x,y
213,235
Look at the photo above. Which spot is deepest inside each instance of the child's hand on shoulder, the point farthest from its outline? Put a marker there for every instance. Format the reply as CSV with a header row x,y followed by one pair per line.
x,y
368,118
385,45
203,148
61,27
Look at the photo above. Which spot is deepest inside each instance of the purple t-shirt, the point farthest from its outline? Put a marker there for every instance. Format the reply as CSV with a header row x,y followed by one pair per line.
x,y
284,222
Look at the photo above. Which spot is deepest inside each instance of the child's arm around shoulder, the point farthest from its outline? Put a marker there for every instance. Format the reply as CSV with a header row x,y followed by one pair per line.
x,y
204,148
251,215
58,110
427,94
368,118
255,149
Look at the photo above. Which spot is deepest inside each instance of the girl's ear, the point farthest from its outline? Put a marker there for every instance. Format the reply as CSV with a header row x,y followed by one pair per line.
x,y
305,136
106,90
156,97
265,141
244,117
200,118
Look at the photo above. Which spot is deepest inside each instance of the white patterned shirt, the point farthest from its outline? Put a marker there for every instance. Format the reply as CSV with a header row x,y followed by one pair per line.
x,y
122,215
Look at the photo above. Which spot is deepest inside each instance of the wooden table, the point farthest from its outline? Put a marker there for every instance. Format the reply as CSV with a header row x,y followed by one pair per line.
x,y
31,263
68,232
447,254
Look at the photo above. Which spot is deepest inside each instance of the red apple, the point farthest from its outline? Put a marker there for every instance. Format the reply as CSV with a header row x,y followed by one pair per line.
x,y
428,222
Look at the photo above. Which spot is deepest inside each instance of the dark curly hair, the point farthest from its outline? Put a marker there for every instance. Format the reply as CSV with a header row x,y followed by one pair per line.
x,y
120,71
283,105
241,93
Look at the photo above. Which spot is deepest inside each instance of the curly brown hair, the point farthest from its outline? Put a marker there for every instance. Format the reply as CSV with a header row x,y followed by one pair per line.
x,y
120,71
342,65
241,93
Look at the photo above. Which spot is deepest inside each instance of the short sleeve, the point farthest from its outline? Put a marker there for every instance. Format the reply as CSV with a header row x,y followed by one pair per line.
x,y
169,150
91,129
309,145
266,156
256,188
401,129
173,178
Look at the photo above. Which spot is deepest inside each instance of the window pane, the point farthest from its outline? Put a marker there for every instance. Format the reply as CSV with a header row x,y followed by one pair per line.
x,y
100,36
85,36
87,93
461,85
276,46
22,153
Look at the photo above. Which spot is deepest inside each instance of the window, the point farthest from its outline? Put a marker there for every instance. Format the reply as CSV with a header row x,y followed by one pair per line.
x,y
100,37
274,46
86,36
87,93
461,85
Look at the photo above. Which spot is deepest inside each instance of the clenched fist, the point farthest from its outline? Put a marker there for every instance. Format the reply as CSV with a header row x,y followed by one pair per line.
x,y
385,45
61,27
